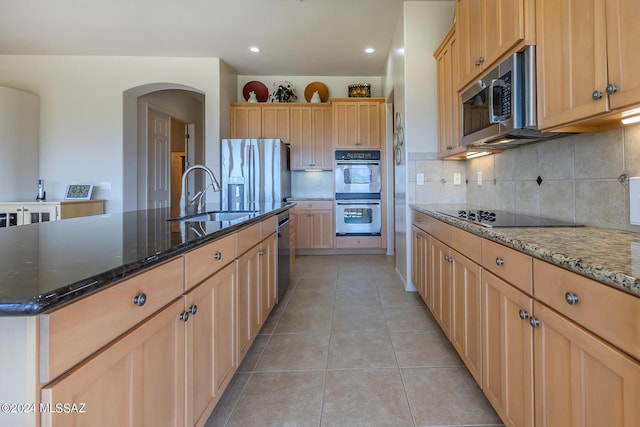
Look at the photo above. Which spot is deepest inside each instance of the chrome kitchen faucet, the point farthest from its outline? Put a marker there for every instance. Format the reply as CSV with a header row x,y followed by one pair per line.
x,y
184,199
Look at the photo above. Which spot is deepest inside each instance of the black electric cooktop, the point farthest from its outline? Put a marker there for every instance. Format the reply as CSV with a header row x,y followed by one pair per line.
x,y
506,219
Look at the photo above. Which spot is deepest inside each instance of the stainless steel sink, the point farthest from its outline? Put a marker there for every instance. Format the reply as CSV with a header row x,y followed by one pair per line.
x,y
214,216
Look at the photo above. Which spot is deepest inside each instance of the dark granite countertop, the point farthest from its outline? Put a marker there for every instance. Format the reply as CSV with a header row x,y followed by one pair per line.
x,y
43,266
609,256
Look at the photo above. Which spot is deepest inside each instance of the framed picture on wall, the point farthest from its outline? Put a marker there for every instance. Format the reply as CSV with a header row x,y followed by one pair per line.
x,y
78,192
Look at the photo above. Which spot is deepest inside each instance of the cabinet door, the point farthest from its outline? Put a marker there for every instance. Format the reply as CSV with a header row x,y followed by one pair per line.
x,y
211,360
449,138
623,32
302,147
469,33
579,379
275,122
136,381
248,299
420,261
345,124
246,121
369,125
507,371
503,22
322,137
322,230
466,331
571,60
441,285
303,227
268,276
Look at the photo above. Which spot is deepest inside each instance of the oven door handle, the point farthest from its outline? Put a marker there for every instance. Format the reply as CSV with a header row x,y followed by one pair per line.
x,y
357,203
358,163
495,83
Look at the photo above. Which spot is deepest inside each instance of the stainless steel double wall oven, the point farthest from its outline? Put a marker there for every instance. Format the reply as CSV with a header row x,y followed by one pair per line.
x,y
358,184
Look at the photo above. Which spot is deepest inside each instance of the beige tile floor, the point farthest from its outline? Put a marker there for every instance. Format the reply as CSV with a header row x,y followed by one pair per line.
x,y
349,347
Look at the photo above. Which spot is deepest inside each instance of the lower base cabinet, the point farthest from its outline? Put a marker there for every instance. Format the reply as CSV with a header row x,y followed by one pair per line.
x,y
137,381
211,353
581,380
507,371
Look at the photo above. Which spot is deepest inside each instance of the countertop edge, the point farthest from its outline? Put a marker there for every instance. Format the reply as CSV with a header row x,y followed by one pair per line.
x,y
615,279
53,300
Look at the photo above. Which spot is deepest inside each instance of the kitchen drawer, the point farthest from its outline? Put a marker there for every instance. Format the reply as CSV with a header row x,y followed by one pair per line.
x,y
358,242
441,231
72,333
248,238
513,266
304,205
605,311
467,244
268,227
421,221
203,262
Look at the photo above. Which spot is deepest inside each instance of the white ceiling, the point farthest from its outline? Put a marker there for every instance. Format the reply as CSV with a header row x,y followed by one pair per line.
x,y
297,37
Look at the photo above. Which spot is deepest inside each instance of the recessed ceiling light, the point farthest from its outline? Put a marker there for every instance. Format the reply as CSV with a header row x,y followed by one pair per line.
x,y
254,49
369,50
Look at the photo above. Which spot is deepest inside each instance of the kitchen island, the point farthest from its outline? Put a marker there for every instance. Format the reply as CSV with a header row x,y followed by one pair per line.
x,y
547,320
82,295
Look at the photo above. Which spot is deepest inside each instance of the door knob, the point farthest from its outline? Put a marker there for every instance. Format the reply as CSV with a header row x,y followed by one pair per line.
x,y
596,95
611,88
140,299
523,314
571,298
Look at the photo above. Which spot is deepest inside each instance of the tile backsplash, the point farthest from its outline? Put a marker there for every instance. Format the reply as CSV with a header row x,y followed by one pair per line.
x,y
582,178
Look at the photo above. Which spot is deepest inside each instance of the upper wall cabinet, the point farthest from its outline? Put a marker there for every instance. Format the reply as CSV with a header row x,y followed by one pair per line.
x,y
311,136
260,121
587,59
489,29
358,123
449,138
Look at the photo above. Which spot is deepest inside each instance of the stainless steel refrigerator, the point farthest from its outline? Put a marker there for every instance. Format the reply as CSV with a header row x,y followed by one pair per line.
x,y
254,171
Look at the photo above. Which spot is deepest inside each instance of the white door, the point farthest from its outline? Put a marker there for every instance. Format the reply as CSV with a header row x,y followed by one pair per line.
x,y
158,161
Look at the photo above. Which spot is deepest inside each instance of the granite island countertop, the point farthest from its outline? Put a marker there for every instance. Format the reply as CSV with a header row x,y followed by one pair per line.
x,y
46,265
609,256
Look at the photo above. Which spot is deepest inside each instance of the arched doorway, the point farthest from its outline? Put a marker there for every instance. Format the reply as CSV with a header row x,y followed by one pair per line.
x,y
141,160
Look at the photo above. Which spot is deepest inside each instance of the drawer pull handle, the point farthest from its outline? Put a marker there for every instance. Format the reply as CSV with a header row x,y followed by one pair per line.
x,y
571,298
523,314
140,299
218,256
534,322
193,309
499,261
184,316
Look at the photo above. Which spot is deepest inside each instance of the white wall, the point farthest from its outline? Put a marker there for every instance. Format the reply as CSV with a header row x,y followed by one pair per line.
x,y
81,111
411,80
19,124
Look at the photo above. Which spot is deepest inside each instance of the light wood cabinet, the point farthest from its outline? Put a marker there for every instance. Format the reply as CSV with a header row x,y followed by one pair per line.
x,y
580,379
210,350
21,213
311,136
507,368
587,60
246,121
136,381
293,224
263,120
488,30
358,123
420,247
441,265
449,132
466,330
268,276
314,224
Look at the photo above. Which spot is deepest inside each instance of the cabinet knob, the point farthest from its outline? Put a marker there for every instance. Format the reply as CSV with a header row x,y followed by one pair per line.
x,y
218,256
523,314
611,88
184,316
193,309
449,147
596,95
481,59
358,143
140,299
419,236
534,322
571,298
262,252
499,261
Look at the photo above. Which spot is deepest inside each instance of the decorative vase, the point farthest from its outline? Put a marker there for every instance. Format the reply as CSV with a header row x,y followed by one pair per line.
x,y
315,98
252,97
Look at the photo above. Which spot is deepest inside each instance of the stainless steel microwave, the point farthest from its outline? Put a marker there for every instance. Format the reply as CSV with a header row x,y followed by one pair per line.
x,y
500,109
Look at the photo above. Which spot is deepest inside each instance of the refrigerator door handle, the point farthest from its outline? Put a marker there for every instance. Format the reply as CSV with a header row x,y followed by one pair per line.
x,y
252,168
